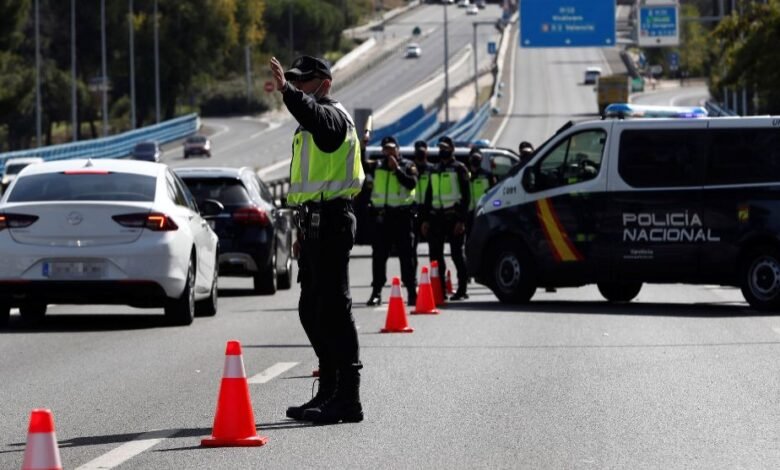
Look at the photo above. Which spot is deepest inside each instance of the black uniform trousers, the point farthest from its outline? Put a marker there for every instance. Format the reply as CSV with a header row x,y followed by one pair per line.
x,y
394,227
441,226
325,305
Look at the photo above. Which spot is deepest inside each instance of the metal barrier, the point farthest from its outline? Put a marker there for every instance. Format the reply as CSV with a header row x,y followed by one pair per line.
x,y
279,188
115,146
714,109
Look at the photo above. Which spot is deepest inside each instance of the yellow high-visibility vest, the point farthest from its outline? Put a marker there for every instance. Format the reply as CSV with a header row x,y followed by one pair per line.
x,y
321,176
388,191
422,187
479,186
445,189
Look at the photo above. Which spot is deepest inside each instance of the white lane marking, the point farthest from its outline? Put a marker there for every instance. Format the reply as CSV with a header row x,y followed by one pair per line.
x,y
268,169
271,372
127,451
271,126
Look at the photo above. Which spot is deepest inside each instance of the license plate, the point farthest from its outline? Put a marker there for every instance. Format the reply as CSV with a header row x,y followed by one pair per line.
x,y
73,269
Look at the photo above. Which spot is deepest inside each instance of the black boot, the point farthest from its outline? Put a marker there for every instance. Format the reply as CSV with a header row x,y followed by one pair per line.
x,y
327,388
460,294
411,298
376,298
344,406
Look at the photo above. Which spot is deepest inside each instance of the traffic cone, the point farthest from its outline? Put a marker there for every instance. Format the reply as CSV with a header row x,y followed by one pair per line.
x,y
425,302
449,284
438,293
234,423
396,311
41,451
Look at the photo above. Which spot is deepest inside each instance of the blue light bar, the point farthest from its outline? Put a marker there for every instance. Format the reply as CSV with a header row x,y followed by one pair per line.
x,y
627,110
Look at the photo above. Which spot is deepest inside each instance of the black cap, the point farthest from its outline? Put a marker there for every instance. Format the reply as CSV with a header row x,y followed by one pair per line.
x,y
445,140
526,145
389,141
306,67
421,144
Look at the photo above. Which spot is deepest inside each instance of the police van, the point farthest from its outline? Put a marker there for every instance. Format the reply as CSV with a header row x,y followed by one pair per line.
x,y
619,203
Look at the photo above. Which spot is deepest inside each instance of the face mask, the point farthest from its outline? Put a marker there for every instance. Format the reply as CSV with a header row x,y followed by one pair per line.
x,y
419,155
445,154
313,94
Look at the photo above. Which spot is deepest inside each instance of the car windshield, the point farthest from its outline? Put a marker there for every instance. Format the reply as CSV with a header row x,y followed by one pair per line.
x,y
14,168
84,187
145,146
198,139
228,191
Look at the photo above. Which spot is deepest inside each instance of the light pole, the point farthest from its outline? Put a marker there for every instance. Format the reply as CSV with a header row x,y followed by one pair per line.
x,y
104,78
156,65
446,70
74,113
37,76
131,27
476,63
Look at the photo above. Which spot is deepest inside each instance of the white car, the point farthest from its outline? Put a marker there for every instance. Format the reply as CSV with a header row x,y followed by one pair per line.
x,y
106,232
413,50
472,10
13,166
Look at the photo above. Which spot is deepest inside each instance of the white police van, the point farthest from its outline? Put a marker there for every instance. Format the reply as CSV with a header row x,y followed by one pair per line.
x,y
619,203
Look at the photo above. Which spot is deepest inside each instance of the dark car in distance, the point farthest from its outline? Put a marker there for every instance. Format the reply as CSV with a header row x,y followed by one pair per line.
x,y
197,145
148,151
255,234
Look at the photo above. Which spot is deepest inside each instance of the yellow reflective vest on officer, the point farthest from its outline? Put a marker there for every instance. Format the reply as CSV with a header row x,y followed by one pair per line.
x,y
445,189
316,175
479,186
422,187
388,191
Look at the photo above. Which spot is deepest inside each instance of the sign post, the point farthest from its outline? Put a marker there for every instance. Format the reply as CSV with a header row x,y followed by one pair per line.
x,y
659,23
567,23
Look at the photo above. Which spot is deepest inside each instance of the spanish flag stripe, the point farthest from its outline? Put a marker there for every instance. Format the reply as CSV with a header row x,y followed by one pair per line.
x,y
546,229
556,235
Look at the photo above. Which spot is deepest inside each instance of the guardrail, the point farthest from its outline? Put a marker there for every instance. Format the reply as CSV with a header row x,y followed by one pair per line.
x,y
115,146
714,109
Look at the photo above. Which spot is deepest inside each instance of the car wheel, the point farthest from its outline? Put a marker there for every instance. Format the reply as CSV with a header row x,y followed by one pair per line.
x,y
33,312
284,280
760,275
5,315
181,311
265,281
619,291
208,306
512,273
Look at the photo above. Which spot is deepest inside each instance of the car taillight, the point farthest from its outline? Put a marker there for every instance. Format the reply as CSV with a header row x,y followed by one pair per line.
x,y
154,221
251,216
16,220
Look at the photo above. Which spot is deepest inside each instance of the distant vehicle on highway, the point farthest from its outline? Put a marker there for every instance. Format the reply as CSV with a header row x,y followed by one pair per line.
x,y
472,10
255,235
592,75
148,151
13,166
481,4
106,231
463,3
413,50
197,145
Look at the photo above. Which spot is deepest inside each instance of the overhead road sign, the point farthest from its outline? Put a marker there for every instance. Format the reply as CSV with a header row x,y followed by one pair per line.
x,y
567,23
659,23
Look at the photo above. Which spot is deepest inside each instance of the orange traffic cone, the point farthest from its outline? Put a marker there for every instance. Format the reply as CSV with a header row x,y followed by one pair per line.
x,y
396,311
449,284
234,423
425,302
41,451
438,293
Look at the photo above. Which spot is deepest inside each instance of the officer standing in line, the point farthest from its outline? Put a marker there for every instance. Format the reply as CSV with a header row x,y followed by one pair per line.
x,y
446,211
481,181
325,174
424,168
392,200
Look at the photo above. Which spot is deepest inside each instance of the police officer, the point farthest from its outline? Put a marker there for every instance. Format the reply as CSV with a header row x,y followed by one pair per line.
x,y
526,151
424,168
392,200
481,181
446,211
325,174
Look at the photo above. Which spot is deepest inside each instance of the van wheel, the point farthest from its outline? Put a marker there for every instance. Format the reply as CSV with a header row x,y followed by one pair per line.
x,y
181,311
512,273
619,291
32,313
760,275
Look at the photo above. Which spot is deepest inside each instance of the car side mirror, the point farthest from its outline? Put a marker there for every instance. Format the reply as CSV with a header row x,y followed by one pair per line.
x,y
210,208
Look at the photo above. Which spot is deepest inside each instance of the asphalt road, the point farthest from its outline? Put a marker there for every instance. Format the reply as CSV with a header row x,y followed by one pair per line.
x,y
682,377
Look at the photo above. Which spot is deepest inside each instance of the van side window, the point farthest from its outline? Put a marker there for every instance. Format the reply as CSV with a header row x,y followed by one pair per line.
x,y
572,161
660,158
740,156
